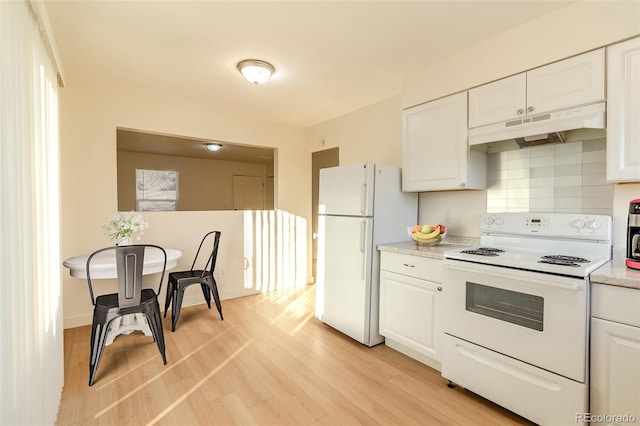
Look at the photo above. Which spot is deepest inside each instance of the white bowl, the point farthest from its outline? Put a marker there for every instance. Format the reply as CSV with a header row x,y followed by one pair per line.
x,y
435,243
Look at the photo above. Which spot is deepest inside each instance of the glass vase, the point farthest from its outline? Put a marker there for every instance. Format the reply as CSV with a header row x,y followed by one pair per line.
x,y
123,241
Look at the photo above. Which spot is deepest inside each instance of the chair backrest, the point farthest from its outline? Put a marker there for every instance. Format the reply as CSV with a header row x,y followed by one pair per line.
x,y
212,240
129,268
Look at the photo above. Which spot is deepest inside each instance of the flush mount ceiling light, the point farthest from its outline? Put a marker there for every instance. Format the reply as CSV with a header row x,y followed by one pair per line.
x,y
255,70
213,146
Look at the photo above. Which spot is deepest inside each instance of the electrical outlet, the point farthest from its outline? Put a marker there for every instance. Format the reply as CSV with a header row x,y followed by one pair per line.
x,y
221,272
447,216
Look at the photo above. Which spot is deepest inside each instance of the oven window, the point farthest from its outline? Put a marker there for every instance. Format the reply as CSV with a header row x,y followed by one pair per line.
x,y
521,309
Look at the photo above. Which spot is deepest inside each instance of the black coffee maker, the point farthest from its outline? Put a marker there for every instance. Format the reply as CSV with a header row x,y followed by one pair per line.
x,y
633,235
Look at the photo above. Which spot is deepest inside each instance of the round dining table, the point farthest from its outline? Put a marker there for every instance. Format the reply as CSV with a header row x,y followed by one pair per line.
x,y
103,266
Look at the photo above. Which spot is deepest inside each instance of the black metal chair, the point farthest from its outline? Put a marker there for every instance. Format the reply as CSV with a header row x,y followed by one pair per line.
x,y
131,298
179,281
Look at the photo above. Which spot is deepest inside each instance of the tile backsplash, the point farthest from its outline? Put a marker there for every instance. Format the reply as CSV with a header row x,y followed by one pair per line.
x,y
561,178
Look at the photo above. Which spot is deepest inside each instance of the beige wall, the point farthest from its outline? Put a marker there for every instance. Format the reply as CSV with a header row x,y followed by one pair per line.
x,y
89,118
579,27
203,184
373,133
623,193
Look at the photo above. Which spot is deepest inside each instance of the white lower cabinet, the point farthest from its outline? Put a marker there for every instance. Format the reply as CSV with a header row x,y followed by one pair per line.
x,y
410,294
615,355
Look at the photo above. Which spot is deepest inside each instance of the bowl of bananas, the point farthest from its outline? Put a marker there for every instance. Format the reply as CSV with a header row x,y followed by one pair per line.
x,y
427,235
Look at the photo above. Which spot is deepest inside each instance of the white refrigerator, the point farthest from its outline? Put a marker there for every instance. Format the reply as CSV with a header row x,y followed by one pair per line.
x,y
360,206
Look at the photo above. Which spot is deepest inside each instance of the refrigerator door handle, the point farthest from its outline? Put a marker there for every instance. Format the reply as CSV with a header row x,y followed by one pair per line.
x,y
363,200
363,236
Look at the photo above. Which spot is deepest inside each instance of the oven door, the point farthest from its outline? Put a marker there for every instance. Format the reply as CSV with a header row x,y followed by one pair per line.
x,y
537,318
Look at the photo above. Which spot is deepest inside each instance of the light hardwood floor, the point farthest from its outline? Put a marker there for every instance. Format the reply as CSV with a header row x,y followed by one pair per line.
x,y
270,362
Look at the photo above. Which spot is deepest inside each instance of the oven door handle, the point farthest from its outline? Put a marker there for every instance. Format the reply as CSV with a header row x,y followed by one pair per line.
x,y
469,268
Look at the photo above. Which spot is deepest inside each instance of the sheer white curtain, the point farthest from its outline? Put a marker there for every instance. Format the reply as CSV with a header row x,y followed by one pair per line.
x,y
31,341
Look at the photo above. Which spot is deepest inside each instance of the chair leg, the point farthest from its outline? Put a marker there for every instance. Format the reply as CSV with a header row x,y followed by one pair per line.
x,y
155,323
178,294
206,292
216,297
98,338
168,297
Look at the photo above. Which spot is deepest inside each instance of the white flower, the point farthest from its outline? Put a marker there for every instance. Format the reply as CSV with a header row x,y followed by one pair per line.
x,y
125,224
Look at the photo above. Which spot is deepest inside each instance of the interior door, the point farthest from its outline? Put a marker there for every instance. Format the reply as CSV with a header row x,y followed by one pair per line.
x,y
270,194
320,160
248,192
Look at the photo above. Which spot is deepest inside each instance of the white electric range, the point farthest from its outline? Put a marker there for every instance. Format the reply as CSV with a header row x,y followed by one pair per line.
x,y
516,311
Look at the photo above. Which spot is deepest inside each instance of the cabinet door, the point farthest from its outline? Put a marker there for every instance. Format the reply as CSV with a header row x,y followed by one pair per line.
x,y
623,110
615,370
564,84
498,101
409,312
434,147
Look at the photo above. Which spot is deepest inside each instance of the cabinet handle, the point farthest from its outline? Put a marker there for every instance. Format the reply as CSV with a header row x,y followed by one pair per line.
x,y
439,288
520,111
409,266
530,109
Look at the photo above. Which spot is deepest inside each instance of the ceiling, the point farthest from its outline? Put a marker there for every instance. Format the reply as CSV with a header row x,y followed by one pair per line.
x,y
331,57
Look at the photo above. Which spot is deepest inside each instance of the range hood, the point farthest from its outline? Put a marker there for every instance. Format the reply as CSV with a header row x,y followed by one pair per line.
x,y
537,129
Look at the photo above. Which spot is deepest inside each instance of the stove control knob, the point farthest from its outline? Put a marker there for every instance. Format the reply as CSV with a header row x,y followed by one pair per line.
x,y
594,224
499,221
578,224
488,220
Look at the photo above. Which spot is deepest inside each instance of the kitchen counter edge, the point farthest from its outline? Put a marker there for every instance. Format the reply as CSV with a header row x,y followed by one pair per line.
x,y
614,272
434,252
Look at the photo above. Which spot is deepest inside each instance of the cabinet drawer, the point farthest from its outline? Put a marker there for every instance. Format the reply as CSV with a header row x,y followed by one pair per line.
x,y
413,266
619,304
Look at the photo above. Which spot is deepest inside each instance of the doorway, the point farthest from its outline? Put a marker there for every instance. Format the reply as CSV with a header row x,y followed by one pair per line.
x,y
319,160
248,192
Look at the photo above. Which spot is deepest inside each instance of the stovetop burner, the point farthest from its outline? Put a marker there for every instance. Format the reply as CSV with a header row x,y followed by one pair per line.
x,y
558,262
559,259
484,251
572,259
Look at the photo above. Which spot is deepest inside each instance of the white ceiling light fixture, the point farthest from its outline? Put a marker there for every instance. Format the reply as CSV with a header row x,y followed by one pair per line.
x,y
213,147
255,70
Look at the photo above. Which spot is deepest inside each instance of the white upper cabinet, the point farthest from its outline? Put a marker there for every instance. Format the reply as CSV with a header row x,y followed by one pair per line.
x,y
623,111
435,153
571,82
498,101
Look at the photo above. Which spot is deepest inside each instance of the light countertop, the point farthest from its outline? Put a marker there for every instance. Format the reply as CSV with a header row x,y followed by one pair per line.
x,y
434,252
616,273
